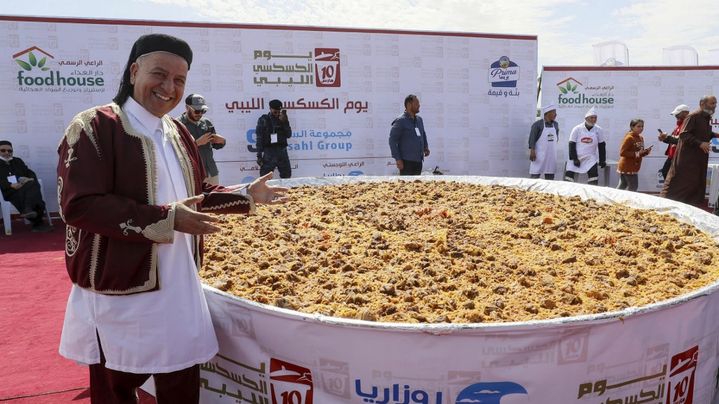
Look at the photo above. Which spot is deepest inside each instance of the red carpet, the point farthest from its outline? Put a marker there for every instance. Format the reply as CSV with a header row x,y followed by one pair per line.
x,y
33,291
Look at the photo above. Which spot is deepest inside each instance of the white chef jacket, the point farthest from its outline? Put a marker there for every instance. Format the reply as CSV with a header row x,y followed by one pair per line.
x,y
587,141
153,332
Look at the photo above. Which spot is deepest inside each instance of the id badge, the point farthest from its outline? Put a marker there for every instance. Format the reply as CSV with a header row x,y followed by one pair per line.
x,y
417,131
12,179
273,138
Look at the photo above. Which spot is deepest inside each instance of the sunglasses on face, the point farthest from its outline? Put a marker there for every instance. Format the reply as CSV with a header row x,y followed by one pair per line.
x,y
5,150
199,111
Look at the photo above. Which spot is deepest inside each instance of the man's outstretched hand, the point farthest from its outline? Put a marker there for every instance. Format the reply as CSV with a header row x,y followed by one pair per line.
x,y
263,193
189,221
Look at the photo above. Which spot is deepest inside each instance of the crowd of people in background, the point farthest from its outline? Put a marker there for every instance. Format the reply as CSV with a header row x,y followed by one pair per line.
x,y
684,171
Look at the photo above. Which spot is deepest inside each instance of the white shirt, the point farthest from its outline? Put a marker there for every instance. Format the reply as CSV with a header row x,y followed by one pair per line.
x,y
587,141
153,332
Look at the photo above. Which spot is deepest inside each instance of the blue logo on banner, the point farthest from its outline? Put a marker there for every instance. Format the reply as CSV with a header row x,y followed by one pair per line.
x,y
355,173
251,141
488,393
504,73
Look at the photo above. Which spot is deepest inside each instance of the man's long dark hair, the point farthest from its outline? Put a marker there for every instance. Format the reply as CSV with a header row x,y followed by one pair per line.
x,y
126,88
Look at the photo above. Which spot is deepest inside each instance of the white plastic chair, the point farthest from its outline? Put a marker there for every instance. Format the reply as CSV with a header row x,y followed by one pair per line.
x,y
7,209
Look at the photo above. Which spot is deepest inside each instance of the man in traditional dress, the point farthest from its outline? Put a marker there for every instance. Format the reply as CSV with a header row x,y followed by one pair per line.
x,y
408,140
686,179
129,180
19,186
543,137
587,149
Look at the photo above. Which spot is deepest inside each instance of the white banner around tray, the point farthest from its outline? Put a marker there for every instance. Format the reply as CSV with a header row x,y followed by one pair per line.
x,y
666,353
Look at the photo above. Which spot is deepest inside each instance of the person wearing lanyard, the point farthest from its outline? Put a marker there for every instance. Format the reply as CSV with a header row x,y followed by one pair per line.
x,y
272,132
587,149
130,189
543,137
408,140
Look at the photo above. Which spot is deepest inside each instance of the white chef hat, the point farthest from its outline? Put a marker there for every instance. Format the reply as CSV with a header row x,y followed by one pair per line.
x,y
547,108
592,112
680,108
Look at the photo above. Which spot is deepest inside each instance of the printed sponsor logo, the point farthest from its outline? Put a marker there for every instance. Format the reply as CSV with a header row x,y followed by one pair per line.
x,y
227,377
489,393
572,93
290,383
573,349
681,377
503,73
395,393
673,384
503,76
335,377
349,174
39,71
319,67
334,140
327,67
484,392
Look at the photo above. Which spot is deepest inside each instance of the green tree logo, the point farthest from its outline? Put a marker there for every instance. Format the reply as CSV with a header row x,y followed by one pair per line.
x,y
33,62
569,88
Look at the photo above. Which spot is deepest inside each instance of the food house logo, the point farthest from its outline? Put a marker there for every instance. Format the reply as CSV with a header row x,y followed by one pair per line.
x,y
290,383
40,72
318,68
672,384
31,62
503,73
573,93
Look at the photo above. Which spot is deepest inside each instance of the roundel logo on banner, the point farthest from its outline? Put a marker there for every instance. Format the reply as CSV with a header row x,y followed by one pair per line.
x,y
489,393
504,73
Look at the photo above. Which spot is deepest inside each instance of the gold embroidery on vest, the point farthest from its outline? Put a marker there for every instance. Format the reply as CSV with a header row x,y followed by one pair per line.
x,y
72,240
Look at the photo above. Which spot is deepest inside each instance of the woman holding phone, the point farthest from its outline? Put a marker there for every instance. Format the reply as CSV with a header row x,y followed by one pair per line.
x,y
630,156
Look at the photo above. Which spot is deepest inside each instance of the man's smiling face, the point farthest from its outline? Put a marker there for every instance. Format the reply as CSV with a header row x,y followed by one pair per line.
x,y
159,81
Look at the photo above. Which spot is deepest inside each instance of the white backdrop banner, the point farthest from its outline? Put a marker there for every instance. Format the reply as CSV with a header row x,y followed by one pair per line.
x,y
621,94
342,88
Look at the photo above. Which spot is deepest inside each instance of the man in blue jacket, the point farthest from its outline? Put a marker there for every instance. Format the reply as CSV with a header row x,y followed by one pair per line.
x,y
408,140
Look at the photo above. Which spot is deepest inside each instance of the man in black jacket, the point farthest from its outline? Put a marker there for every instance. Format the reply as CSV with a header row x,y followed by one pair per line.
x,y
273,130
20,187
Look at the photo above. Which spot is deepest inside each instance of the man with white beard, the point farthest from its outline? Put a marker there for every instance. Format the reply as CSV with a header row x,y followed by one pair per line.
x,y
686,180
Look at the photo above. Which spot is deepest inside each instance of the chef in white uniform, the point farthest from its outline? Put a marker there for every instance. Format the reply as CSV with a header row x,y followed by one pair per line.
x,y
587,149
543,137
